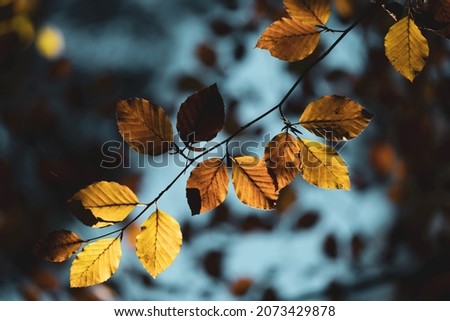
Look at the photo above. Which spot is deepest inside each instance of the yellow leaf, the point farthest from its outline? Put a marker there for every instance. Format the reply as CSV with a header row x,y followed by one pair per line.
x,y
207,186
96,263
144,126
322,166
289,39
254,183
335,118
103,203
406,48
158,243
282,155
58,246
312,12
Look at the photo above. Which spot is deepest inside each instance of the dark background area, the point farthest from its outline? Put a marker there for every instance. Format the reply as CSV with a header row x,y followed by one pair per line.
x,y
56,112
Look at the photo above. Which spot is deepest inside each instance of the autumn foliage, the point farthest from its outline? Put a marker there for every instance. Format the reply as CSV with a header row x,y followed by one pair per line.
x,y
257,181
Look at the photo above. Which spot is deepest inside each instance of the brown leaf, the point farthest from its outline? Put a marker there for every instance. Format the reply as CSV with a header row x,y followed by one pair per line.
x,y
307,220
382,158
207,186
201,116
254,183
58,246
441,9
289,40
282,155
206,55
144,126
212,263
330,247
287,198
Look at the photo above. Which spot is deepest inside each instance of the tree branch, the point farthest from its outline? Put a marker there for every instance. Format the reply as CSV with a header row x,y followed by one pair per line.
x,y
278,106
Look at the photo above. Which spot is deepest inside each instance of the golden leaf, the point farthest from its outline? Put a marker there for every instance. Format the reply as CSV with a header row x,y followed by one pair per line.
x,y
406,48
322,166
289,39
312,12
282,155
58,246
335,118
144,126
96,263
254,183
103,203
207,186
159,242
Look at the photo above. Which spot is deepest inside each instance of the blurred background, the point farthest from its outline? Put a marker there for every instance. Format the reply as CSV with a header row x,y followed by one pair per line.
x,y
63,65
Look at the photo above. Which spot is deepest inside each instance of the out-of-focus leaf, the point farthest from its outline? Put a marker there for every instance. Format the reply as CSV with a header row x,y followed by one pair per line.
x,y
312,12
159,242
241,286
307,220
382,158
335,118
96,263
406,48
109,203
287,198
144,126
322,166
207,55
330,246
289,39
441,10
210,179
58,246
253,182
212,263
50,42
201,116
45,279
282,156
344,8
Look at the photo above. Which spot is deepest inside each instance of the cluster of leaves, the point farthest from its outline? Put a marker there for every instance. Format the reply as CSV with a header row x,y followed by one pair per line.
x,y
257,182
296,37
147,129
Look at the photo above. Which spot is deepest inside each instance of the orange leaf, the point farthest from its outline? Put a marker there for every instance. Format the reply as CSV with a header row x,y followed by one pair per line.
x,y
282,155
254,183
207,186
289,39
